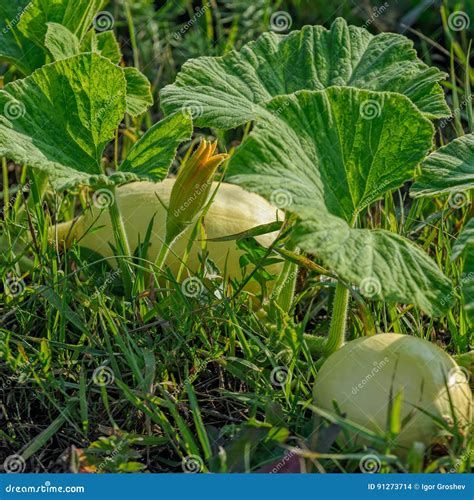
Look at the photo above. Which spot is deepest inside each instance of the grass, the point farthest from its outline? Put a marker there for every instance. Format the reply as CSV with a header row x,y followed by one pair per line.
x,y
94,380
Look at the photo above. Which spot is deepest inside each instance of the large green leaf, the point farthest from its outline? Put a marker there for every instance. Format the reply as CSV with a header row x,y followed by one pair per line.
x,y
139,96
61,117
75,15
24,25
225,92
61,42
325,156
450,169
339,149
464,246
15,48
103,43
384,265
152,155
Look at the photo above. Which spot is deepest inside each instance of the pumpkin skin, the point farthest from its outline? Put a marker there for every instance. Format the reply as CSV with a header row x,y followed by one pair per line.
x,y
232,211
359,377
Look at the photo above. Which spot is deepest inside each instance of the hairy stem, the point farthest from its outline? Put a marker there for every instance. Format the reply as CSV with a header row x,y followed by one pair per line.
x,y
6,196
337,328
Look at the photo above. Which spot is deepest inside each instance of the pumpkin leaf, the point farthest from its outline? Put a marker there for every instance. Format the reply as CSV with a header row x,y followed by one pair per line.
x,y
382,264
104,43
16,48
152,155
464,246
450,169
139,96
24,26
326,156
61,117
75,15
339,149
227,91
60,42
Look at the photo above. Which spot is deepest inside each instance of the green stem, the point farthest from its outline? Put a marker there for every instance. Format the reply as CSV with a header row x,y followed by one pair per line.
x,y
284,290
337,328
119,228
6,195
121,240
133,39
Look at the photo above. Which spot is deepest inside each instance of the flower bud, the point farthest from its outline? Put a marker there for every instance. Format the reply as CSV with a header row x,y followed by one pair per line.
x,y
191,190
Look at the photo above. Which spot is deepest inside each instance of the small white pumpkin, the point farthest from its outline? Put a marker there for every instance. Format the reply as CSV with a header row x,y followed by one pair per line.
x,y
361,375
232,211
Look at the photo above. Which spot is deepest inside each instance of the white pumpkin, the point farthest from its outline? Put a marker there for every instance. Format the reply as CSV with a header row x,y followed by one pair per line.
x,y
232,211
361,375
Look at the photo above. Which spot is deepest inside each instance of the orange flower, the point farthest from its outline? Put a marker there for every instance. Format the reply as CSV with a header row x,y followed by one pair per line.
x,y
192,187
